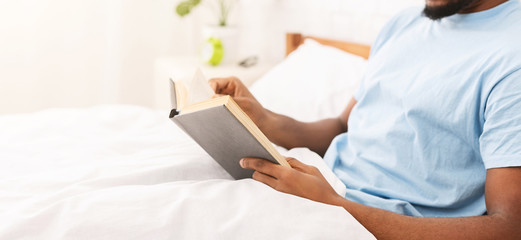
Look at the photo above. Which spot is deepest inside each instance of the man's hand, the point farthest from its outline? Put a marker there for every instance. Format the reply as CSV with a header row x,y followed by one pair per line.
x,y
301,180
282,130
242,96
502,196
229,86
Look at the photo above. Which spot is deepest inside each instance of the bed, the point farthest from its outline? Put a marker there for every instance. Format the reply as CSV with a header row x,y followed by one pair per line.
x,y
127,172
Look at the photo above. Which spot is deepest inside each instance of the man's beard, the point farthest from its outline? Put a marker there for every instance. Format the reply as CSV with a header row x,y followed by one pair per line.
x,y
451,8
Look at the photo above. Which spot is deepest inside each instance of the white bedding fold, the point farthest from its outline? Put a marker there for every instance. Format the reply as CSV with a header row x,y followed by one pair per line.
x,y
123,172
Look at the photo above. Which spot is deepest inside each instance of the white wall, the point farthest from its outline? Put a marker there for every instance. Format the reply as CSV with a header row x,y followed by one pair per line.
x,y
74,53
266,21
49,55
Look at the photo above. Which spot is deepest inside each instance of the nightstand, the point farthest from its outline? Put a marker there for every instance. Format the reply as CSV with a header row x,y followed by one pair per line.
x,y
183,67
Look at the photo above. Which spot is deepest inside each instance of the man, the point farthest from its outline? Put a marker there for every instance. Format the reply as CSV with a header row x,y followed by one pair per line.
x,y
433,149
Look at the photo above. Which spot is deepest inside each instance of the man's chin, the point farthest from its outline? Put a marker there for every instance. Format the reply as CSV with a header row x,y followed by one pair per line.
x,y
438,9
434,13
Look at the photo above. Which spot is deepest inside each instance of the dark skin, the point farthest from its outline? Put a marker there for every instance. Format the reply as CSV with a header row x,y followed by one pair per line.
x,y
477,6
280,129
502,186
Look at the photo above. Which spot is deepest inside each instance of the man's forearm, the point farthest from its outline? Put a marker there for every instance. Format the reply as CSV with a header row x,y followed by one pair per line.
x,y
388,225
289,133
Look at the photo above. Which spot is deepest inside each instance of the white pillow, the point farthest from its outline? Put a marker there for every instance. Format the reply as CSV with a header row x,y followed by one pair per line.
x,y
312,83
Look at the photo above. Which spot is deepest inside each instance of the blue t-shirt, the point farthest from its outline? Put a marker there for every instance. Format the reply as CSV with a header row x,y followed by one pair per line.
x,y
440,104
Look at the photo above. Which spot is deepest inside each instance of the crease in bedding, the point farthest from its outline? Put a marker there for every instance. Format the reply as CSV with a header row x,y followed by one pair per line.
x,y
126,172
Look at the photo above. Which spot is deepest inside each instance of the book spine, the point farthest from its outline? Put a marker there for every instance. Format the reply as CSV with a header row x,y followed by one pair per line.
x,y
173,113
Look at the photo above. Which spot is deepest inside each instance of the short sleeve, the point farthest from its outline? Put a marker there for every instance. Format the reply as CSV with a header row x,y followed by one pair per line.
x,y
500,141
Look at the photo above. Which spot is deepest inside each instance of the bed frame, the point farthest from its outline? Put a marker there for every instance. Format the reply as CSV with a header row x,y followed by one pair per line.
x,y
294,40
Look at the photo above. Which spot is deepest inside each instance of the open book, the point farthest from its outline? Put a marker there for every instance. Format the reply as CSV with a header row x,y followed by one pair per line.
x,y
219,126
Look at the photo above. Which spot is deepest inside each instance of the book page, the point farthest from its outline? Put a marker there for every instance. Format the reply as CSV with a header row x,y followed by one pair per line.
x,y
199,89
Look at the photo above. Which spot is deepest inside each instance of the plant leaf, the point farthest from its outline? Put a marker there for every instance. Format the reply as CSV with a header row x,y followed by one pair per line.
x,y
183,8
194,2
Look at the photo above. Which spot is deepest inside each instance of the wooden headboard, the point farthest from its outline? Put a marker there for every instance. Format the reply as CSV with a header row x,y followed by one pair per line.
x,y
293,40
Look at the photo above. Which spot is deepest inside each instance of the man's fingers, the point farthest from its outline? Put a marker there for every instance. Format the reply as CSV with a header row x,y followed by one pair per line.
x,y
294,163
218,95
298,165
226,86
261,165
218,84
266,179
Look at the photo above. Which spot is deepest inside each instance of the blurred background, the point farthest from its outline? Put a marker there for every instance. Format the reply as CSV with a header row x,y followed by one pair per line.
x,y
80,53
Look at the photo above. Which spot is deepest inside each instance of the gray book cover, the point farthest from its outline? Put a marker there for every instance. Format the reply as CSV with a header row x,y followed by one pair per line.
x,y
223,137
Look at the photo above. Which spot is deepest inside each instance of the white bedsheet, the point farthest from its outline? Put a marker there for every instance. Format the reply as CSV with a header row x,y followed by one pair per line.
x,y
125,172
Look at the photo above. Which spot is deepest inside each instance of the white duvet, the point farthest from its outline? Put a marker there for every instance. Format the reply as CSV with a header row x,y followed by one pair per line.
x,y
124,172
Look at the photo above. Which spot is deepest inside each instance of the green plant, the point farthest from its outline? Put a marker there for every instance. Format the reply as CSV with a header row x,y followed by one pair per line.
x,y
223,8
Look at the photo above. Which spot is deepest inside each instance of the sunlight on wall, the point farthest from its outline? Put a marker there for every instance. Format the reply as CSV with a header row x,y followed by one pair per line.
x,y
63,53
51,54
73,53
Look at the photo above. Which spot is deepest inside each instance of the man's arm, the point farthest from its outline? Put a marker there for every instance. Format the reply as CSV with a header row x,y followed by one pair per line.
x,y
282,130
503,200
502,196
289,133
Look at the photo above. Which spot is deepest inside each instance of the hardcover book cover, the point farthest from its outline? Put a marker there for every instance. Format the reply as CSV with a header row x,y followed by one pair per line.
x,y
224,131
